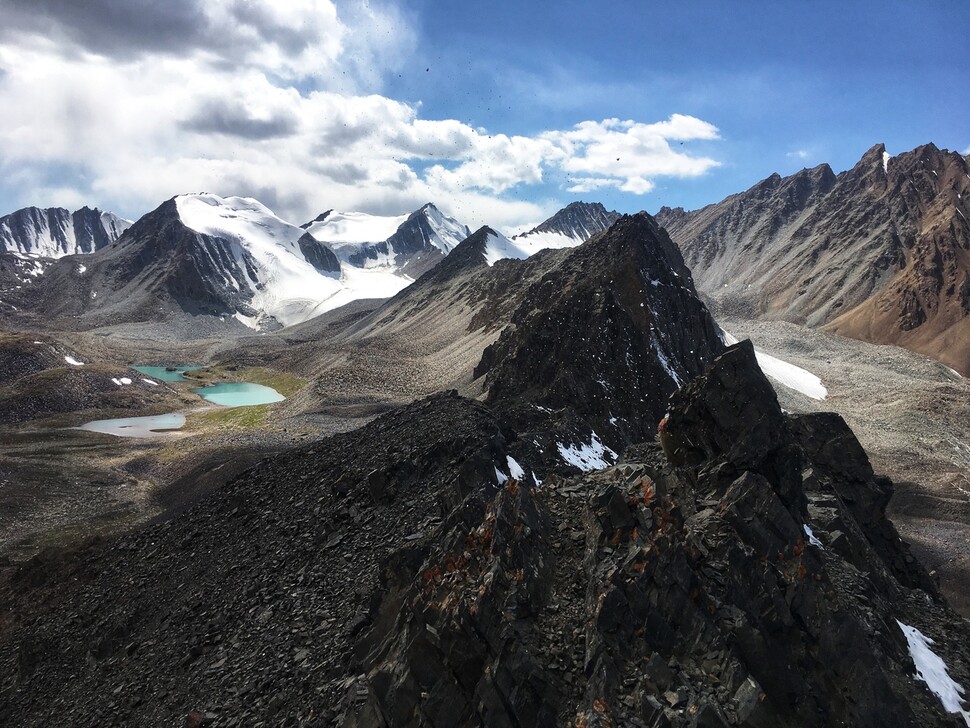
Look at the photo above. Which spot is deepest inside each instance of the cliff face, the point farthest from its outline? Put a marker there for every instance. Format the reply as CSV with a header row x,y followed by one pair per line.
x,y
880,252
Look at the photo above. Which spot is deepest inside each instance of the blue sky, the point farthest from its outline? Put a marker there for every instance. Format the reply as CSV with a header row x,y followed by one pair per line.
x,y
499,112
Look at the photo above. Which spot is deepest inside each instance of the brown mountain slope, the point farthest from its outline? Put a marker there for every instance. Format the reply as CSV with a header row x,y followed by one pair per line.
x,y
880,252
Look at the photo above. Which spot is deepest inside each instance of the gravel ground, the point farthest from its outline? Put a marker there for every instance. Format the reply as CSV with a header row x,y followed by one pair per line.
x,y
912,414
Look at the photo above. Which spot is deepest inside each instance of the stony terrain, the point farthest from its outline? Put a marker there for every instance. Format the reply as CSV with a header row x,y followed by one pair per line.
x,y
672,590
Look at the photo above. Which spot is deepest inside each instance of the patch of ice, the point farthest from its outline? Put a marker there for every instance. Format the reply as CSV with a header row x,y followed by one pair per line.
x,y
355,227
886,156
515,470
542,240
588,457
789,375
501,477
125,380
39,342
81,268
116,381
498,247
811,537
149,381
71,360
931,669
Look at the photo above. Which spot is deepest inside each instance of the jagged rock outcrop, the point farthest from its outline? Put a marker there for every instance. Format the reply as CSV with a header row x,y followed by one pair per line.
x,y
594,339
318,255
880,252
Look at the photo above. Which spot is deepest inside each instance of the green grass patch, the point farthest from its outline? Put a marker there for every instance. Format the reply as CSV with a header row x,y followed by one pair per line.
x,y
283,382
236,417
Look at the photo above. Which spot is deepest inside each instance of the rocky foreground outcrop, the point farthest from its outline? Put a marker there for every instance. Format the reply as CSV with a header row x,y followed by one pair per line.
x,y
750,578
416,572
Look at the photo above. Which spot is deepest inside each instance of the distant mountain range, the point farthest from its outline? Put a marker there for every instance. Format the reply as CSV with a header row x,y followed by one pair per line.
x,y
880,252
54,232
232,259
492,559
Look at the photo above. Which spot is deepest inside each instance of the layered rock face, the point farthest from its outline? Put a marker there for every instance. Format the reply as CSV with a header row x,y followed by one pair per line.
x,y
880,252
577,221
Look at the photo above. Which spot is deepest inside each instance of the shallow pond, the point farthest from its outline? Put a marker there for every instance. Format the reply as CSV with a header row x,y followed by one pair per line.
x,y
238,394
152,426
168,373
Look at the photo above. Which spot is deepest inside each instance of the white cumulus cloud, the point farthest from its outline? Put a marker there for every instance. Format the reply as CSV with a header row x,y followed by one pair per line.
x,y
124,103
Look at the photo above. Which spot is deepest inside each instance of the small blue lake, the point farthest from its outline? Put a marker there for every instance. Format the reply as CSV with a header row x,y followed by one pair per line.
x,y
152,426
238,394
166,373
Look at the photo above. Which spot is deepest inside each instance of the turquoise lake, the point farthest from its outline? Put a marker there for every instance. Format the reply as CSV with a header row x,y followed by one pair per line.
x,y
239,394
163,374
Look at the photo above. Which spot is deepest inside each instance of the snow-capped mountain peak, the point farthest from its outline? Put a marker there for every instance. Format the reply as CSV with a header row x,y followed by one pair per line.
x,y
402,245
242,219
272,259
446,231
55,232
348,231
571,226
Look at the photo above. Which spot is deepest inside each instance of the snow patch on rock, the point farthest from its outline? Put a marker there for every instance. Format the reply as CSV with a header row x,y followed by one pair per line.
x,y
785,373
931,669
594,456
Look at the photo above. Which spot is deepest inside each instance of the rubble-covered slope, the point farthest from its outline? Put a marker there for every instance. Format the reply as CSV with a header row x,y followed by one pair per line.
x,y
415,573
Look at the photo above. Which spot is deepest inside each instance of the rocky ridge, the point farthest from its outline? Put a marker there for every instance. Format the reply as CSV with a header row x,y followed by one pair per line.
x,y
591,339
666,591
880,252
